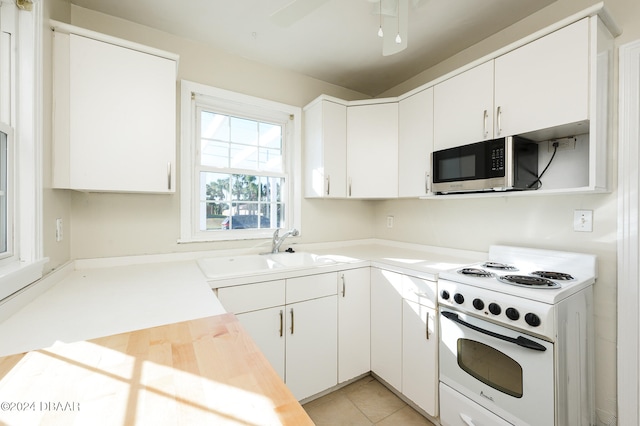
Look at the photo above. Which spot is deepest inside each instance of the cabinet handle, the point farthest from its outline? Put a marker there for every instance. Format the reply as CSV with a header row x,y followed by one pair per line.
x,y
485,120
344,289
349,187
499,119
291,320
467,420
281,322
426,182
427,326
169,175
328,185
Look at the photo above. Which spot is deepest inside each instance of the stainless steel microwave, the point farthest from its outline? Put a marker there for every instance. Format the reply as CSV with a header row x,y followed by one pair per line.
x,y
503,164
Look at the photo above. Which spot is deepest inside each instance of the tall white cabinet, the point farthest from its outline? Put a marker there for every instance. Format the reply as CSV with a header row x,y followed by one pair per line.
x,y
114,114
415,143
372,150
325,123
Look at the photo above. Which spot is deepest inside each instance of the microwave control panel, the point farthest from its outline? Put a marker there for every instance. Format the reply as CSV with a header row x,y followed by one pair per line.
x,y
497,157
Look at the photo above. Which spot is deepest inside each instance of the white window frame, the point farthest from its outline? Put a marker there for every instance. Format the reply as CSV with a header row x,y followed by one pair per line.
x,y
242,105
25,117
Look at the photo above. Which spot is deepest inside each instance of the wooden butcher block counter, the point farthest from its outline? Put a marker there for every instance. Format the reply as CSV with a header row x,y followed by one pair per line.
x,y
206,371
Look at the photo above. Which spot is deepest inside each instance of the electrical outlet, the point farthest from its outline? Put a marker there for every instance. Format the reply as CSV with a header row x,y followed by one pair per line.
x,y
564,144
59,234
389,221
583,220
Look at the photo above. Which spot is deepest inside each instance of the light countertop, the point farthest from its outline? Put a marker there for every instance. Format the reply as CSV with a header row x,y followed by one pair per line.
x,y
108,297
90,303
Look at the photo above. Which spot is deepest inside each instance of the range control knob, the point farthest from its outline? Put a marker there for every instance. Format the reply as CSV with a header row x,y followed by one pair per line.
x,y
532,319
445,294
478,304
494,308
458,298
512,314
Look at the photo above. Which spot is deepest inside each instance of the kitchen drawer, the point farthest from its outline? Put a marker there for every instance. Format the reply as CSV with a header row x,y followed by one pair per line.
x,y
311,287
458,410
251,297
419,290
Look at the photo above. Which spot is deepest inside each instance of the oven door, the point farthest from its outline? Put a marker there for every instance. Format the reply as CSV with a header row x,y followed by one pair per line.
x,y
505,371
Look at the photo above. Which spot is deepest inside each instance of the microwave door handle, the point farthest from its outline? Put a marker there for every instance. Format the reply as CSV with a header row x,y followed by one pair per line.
x,y
520,341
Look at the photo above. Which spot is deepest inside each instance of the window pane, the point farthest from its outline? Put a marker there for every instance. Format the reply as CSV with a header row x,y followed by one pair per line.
x,y
214,153
245,187
244,157
3,193
270,160
214,126
271,136
244,131
215,214
215,186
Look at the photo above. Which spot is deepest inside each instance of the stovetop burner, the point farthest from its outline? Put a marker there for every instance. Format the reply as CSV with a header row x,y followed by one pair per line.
x,y
528,281
476,272
501,266
560,276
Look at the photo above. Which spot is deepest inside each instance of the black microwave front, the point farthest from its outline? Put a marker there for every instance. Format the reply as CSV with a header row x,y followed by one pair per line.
x,y
503,164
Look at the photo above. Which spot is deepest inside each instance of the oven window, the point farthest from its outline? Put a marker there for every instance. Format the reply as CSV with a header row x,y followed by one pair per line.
x,y
490,366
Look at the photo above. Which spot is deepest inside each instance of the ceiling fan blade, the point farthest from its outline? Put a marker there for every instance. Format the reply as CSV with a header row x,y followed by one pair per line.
x,y
294,11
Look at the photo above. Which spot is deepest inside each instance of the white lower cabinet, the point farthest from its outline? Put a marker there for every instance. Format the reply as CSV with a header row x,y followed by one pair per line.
x,y
354,341
386,326
324,329
311,346
294,323
404,336
419,356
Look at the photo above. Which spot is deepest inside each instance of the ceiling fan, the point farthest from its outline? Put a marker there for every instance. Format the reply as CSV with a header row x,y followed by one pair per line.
x,y
394,19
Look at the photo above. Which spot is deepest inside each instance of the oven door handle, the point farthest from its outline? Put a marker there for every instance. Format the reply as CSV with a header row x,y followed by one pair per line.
x,y
520,341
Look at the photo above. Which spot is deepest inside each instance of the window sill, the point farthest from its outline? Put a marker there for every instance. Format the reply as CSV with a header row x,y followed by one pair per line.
x,y
17,275
235,235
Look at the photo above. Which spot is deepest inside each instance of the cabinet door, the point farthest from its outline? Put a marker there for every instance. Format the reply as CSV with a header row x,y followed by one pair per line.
x,y
415,144
354,326
266,327
312,346
326,150
372,151
419,356
463,108
122,118
544,83
386,326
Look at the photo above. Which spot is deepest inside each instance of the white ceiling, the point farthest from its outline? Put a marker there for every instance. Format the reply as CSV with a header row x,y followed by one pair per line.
x,y
337,41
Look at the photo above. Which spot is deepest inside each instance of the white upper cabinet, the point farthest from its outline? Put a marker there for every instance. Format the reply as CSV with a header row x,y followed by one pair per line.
x,y
463,108
114,115
415,144
325,124
372,150
545,83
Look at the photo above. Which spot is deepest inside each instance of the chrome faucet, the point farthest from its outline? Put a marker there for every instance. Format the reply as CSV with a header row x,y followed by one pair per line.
x,y
277,240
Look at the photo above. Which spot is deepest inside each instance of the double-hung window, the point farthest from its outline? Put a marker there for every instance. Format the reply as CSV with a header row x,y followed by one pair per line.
x,y
238,165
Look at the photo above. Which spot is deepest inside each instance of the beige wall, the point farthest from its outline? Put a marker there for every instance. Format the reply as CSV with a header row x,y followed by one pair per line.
x,y
101,225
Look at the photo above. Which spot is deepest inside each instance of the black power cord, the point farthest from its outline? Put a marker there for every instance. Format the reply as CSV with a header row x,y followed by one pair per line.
x,y
538,181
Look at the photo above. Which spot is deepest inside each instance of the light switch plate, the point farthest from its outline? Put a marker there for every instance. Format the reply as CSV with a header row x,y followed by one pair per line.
x,y
583,220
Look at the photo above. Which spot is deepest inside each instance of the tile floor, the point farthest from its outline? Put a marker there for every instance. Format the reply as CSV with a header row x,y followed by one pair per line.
x,y
364,402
